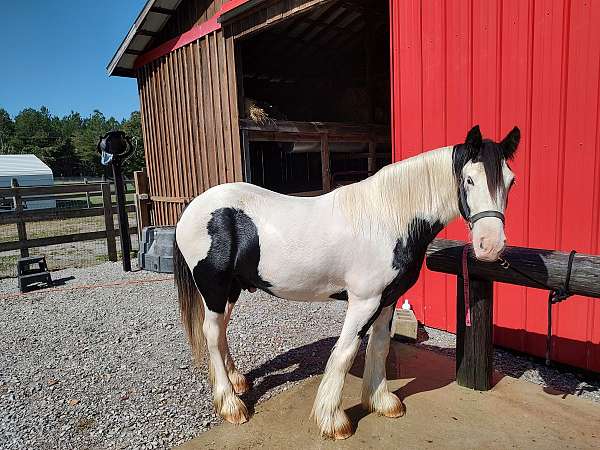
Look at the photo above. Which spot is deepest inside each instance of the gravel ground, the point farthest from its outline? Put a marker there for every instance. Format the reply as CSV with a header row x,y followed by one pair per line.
x,y
109,367
103,362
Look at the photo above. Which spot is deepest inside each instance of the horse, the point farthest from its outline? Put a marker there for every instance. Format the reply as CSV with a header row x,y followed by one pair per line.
x,y
363,243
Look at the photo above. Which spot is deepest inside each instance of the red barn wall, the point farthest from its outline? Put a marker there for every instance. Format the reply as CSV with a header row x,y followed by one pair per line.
x,y
535,64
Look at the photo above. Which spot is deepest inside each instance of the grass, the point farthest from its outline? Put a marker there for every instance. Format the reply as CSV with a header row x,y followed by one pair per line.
x,y
8,263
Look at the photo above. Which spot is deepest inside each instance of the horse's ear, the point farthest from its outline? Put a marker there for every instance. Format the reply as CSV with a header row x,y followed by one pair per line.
x,y
474,138
510,143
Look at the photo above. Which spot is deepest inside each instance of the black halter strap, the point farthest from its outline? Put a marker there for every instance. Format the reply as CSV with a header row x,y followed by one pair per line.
x,y
475,217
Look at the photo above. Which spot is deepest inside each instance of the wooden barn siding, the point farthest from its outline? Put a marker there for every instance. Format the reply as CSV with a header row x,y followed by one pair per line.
x,y
190,123
534,64
189,14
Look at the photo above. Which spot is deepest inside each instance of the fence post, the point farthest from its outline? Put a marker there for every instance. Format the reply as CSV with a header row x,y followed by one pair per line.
x,y
142,201
372,161
325,163
109,224
87,194
474,348
21,228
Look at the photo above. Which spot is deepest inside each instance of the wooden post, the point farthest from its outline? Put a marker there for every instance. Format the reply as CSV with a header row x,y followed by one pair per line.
x,y
474,347
109,224
21,228
142,201
246,150
87,194
372,161
325,162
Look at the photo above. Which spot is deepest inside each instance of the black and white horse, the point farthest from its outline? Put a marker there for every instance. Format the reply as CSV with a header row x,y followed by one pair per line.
x,y
364,243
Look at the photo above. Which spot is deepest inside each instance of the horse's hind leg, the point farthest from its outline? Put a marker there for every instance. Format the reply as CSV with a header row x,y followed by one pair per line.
x,y
330,417
375,394
226,403
239,382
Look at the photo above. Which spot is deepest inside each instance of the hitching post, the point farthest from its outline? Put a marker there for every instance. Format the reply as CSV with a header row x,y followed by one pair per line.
x,y
115,147
474,347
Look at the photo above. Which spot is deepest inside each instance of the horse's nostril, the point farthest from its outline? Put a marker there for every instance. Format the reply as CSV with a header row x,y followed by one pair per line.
x,y
481,244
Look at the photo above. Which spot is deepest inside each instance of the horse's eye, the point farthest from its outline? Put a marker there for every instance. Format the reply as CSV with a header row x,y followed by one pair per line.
x,y
470,181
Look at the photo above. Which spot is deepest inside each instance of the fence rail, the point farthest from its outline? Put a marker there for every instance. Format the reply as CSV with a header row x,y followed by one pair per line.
x,y
100,211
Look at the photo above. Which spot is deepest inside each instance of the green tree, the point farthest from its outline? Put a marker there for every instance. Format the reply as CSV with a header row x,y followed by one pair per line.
x,y
67,144
133,128
7,130
33,130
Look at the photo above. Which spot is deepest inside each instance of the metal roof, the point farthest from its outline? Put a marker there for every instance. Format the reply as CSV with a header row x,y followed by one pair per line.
x,y
150,21
19,165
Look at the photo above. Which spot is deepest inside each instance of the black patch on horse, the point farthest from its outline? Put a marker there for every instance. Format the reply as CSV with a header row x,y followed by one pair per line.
x,y
231,263
342,295
408,259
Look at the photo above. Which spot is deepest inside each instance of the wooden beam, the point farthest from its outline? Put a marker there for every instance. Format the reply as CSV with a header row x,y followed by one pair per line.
x,y
325,163
21,228
546,266
142,201
147,33
109,223
130,51
50,214
60,189
62,239
159,10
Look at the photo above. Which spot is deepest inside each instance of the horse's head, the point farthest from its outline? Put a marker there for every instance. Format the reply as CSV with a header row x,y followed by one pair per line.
x,y
484,180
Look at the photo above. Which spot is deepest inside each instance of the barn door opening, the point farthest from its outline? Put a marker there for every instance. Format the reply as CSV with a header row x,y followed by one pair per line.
x,y
314,105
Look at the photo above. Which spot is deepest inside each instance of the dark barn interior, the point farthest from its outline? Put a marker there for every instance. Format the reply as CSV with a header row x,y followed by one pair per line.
x,y
329,65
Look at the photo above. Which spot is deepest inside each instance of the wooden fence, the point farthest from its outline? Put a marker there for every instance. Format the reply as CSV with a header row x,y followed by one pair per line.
x,y
20,216
323,132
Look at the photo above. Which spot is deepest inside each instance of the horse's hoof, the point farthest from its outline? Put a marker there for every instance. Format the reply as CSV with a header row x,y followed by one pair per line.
x,y
395,413
234,411
240,384
339,428
385,404
392,407
343,433
237,418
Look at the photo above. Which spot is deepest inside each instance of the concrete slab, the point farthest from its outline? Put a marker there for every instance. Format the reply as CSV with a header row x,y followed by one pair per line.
x,y
440,414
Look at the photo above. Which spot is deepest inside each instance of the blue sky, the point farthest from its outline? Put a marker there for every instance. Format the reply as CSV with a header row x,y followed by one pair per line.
x,y
55,53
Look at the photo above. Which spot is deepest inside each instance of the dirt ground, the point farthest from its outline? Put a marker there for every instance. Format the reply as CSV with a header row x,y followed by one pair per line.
x,y
440,414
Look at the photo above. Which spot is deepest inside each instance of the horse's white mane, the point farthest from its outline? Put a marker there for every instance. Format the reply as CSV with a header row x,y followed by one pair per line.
x,y
419,187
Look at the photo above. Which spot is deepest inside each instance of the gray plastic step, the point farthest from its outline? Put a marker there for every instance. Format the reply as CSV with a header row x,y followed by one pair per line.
x,y
156,249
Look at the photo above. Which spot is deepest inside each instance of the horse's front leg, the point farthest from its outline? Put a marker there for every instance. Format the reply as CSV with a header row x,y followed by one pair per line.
x,y
327,411
375,394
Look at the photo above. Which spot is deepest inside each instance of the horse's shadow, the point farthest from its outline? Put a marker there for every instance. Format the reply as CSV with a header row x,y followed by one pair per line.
x,y
309,360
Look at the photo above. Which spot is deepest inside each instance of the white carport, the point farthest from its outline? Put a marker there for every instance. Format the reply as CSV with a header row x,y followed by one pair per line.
x,y
28,170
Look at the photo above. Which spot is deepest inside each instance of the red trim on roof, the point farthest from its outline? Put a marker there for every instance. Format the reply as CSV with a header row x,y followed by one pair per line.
x,y
191,35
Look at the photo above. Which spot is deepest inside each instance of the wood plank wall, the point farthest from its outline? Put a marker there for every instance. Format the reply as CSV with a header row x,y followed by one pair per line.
x,y
189,13
190,123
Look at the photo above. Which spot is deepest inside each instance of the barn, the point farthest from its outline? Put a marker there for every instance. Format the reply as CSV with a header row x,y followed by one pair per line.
x,y
301,96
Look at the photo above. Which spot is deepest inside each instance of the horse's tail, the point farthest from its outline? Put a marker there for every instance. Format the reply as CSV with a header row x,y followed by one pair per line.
x,y
191,305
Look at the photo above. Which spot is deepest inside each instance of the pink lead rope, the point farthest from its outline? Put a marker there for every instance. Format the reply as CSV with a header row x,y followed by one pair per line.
x,y
465,274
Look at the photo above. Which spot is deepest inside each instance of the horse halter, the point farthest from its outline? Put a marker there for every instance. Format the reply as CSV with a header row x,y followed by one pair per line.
x,y
490,213
466,211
